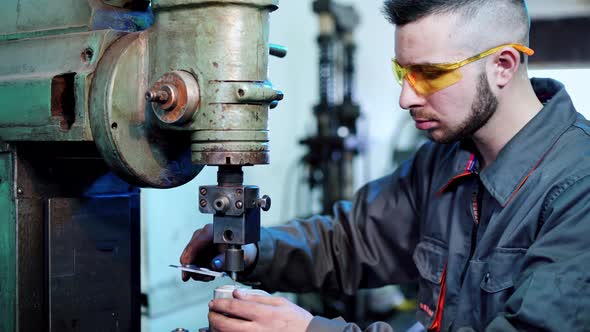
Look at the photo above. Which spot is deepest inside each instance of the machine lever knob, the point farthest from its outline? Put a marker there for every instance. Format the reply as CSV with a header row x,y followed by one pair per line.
x,y
278,50
264,203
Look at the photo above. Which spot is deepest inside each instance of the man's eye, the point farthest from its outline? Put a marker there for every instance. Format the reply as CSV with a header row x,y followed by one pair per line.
x,y
431,75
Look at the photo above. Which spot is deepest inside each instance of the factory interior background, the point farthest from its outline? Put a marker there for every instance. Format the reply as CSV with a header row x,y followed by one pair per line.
x,y
386,135
169,217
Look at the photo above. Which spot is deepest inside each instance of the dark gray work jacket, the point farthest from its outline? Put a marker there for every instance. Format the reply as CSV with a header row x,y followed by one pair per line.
x,y
504,249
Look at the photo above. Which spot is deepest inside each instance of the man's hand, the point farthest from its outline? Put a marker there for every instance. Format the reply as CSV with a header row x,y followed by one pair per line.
x,y
256,313
201,251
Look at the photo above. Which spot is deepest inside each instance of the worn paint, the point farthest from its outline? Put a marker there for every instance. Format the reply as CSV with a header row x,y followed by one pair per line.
x,y
121,20
26,85
7,245
231,64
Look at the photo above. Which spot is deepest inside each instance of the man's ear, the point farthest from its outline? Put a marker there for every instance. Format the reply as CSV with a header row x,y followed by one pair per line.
x,y
506,64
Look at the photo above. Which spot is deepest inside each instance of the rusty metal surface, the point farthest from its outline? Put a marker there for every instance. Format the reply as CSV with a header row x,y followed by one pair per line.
x,y
63,100
230,41
126,131
68,94
174,98
232,158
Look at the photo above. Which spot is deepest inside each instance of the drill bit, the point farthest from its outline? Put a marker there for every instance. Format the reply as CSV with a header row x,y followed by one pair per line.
x,y
234,276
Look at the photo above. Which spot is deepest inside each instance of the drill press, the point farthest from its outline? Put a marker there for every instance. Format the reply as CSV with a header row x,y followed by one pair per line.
x,y
225,109
151,91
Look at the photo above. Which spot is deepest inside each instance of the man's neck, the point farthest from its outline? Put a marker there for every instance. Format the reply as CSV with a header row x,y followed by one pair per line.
x,y
513,113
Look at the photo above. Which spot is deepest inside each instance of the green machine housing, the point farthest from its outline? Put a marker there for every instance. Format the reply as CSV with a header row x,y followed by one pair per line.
x,y
97,99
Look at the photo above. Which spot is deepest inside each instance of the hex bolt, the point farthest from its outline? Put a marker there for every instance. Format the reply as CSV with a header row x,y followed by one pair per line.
x,y
203,203
239,192
19,191
203,191
239,204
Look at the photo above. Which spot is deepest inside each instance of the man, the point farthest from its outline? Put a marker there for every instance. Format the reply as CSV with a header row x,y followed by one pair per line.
x,y
491,218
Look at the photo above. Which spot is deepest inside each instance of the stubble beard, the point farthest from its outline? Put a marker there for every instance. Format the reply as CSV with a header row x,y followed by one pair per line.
x,y
482,109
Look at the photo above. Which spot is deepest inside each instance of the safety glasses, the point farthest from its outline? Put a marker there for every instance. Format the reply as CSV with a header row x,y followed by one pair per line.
x,y
427,79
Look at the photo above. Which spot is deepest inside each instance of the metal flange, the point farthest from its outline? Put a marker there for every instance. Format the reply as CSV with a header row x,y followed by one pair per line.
x,y
126,130
174,98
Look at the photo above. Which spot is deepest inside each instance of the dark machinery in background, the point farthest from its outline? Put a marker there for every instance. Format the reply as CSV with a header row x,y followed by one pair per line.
x,y
332,150
98,98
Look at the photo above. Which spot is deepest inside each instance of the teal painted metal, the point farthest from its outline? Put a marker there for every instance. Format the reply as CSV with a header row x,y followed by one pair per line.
x,y
33,96
42,33
8,19
7,245
27,16
53,54
26,80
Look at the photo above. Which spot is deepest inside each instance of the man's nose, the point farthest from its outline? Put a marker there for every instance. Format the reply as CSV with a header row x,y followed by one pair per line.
x,y
409,98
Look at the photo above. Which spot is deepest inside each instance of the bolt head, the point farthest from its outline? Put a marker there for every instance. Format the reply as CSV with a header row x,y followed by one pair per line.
x,y
203,191
203,203
239,204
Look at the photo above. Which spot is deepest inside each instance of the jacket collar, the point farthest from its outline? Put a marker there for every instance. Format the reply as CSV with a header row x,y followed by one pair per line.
x,y
525,151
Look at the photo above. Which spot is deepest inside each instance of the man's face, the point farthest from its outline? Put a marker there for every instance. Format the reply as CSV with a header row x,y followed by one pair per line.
x,y
459,110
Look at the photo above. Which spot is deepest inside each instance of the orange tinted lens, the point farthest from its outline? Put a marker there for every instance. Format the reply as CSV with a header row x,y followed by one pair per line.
x,y
428,81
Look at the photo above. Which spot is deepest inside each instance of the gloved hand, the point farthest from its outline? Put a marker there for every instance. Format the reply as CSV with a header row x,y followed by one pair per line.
x,y
201,251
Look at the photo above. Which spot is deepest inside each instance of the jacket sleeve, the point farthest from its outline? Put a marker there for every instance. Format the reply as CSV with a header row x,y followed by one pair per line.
x,y
366,243
553,290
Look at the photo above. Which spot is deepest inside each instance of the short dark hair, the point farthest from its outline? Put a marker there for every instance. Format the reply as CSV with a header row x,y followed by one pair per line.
x,y
402,12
